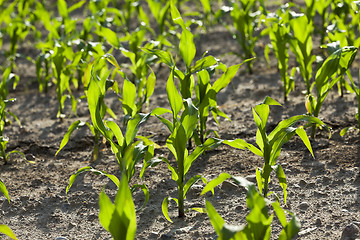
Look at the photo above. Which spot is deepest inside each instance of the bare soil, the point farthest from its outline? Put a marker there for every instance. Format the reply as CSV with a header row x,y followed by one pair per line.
x,y
324,192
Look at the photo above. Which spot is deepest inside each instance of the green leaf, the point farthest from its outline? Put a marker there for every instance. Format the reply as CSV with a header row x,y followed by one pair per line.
x,y
145,190
174,172
282,180
302,134
271,102
129,95
216,220
226,78
164,207
4,190
117,132
208,144
65,140
215,182
241,144
187,47
111,37
174,96
62,8
107,209
150,84
175,14
133,126
203,63
164,56
90,169
190,183
7,231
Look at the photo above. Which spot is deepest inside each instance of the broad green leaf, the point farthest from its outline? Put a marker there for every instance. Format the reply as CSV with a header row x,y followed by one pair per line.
x,y
62,8
189,118
216,220
174,172
241,144
111,37
203,63
117,132
133,126
302,134
4,190
215,182
65,140
174,96
226,78
150,84
107,209
125,207
271,102
187,47
344,131
291,229
129,95
190,183
175,15
7,231
283,125
282,180
164,56
76,6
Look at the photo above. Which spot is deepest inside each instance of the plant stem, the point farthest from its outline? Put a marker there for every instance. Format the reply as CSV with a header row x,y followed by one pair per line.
x,y
181,200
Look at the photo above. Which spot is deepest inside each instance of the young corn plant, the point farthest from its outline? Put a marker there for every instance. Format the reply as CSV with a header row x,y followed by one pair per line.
x,y
246,21
202,70
331,71
127,151
301,46
270,145
278,31
181,128
118,218
96,65
258,220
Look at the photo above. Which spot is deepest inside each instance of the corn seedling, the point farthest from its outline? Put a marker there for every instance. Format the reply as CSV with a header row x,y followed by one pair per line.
x,y
127,151
301,46
259,221
269,145
118,218
205,93
182,129
331,71
278,30
246,20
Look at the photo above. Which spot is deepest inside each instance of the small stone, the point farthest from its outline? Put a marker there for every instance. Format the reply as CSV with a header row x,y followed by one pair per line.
x,y
229,187
61,238
304,205
351,232
251,178
318,222
302,183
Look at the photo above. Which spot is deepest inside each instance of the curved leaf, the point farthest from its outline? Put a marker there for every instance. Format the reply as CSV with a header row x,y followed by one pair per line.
x,y
65,140
7,231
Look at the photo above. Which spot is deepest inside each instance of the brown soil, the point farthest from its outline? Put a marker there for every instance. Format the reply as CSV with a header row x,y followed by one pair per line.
x,y
323,192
